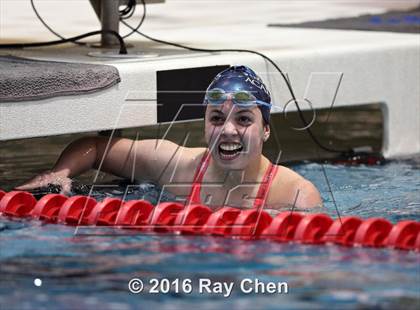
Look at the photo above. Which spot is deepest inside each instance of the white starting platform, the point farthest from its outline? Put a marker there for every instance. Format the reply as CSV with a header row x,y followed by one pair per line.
x,y
340,67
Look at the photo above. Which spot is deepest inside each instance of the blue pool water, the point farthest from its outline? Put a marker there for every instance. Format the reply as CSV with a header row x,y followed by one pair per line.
x,y
80,270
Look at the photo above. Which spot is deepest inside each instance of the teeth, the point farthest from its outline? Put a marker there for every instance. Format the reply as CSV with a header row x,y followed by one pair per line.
x,y
230,146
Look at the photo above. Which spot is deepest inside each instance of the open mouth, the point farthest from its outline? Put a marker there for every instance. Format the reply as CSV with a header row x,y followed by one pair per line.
x,y
229,151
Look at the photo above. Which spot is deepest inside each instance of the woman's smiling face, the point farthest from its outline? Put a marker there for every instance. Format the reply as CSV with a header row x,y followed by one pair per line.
x,y
235,135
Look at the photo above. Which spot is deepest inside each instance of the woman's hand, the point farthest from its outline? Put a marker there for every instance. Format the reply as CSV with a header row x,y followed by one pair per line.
x,y
46,178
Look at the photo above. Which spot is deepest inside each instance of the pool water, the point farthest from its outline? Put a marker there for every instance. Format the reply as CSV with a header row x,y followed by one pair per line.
x,y
86,271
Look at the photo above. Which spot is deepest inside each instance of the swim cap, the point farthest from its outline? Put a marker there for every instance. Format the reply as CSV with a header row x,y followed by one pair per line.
x,y
242,78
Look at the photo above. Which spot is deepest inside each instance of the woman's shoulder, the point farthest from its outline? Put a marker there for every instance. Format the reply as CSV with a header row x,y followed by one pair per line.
x,y
189,160
288,187
167,152
193,155
284,180
285,174
165,161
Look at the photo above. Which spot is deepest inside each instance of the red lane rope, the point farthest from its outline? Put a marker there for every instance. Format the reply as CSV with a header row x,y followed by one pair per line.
x,y
196,219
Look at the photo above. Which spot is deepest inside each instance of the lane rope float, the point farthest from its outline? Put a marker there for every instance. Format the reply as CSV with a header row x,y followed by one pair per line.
x,y
197,219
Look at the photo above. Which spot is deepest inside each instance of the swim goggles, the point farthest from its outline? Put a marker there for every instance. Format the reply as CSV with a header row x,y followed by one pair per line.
x,y
242,98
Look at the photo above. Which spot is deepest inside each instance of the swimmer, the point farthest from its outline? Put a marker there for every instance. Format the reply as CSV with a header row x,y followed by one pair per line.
x,y
231,170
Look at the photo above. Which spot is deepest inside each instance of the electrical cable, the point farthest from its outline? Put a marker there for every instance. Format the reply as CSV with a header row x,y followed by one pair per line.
x,y
133,30
123,48
125,13
129,9
48,27
129,15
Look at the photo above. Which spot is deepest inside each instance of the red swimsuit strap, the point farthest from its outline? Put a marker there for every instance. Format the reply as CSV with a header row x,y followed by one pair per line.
x,y
194,196
265,185
262,194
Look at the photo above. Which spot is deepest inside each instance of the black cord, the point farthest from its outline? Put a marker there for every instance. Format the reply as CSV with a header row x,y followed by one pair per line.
x,y
308,130
128,11
134,30
125,13
123,49
131,13
48,27
43,22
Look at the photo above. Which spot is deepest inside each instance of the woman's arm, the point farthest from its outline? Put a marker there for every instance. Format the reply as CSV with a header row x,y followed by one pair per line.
x,y
78,157
119,156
